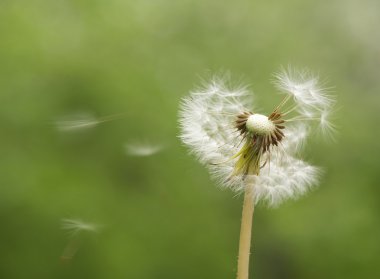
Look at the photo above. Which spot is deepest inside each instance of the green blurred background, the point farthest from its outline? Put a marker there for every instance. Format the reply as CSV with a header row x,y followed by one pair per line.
x,y
161,216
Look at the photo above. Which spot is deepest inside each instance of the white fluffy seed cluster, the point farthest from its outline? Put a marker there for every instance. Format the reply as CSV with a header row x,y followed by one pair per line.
x,y
207,127
313,100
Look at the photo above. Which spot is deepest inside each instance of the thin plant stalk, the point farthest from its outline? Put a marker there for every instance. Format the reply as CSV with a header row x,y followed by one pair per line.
x,y
245,234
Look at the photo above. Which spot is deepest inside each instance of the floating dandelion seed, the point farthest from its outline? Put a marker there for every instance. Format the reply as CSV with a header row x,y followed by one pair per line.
x,y
83,121
255,153
77,122
75,227
142,149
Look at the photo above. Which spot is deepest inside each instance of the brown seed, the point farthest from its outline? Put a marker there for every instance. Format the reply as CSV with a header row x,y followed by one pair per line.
x,y
281,133
241,121
269,139
274,136
276,116
278,135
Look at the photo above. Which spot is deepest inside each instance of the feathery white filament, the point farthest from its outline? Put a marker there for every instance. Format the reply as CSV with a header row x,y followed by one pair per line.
x,y
142,149
311,101
75,226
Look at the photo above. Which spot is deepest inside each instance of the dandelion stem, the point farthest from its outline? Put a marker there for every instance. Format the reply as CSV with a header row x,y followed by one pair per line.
x,y
245,234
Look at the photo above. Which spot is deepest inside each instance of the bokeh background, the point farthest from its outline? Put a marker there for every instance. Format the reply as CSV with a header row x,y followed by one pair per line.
x,y
82,82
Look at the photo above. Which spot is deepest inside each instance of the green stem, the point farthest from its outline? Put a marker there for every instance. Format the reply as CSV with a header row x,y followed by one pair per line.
x,y
245,234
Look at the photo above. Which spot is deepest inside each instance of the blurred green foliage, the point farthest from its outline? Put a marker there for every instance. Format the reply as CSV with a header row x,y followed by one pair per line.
x,y
161,216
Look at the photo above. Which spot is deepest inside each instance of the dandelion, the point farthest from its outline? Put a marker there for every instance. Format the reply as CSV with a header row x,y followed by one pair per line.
x,y
252,153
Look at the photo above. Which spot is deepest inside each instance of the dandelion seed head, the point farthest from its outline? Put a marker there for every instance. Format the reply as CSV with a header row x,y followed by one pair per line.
x,y
243,149
260,124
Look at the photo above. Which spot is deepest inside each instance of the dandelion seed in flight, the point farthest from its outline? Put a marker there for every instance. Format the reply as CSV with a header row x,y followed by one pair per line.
x,y
142,149
75,122
75,227
83,121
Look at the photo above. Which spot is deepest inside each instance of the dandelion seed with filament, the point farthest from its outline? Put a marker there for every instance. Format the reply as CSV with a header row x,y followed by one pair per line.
x,y
74,227
142,149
